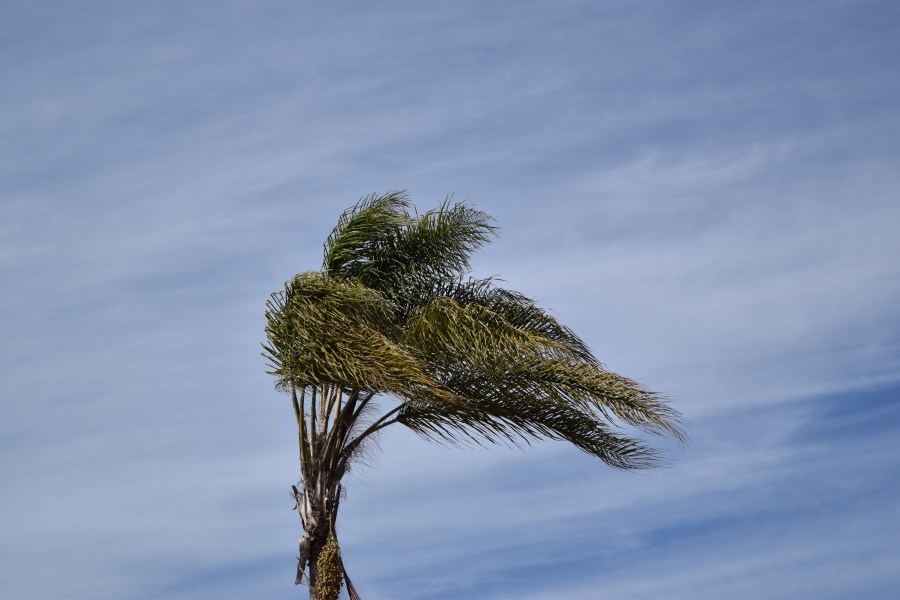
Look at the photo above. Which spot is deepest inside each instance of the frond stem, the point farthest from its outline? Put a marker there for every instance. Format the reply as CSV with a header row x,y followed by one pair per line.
x,y
312,423
380,423
301,426
342,422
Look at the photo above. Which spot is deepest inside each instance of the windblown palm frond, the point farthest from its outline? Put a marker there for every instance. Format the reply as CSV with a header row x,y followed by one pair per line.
x,y
363,229
441,241
392,313
432,247
520,381
337,332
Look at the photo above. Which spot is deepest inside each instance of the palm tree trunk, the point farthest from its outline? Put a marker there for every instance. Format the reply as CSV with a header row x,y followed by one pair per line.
x,y
317,516
311,546
322,434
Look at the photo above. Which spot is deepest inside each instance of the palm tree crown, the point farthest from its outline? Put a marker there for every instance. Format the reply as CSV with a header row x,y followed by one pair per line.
x,y
393,313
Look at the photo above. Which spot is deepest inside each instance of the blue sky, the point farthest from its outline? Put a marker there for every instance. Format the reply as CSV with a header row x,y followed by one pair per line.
x,y
706,191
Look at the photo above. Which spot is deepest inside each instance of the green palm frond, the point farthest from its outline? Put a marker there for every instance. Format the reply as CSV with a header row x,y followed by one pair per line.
x,y
360,230
323,330
521,381
435,245
440,242
516,309
503,417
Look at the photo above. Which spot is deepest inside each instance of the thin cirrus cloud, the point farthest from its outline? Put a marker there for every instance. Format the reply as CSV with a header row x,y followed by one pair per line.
x,y
705,193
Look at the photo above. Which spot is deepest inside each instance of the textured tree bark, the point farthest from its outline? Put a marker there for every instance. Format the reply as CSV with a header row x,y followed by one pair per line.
x,y
316,527
311,545
317,516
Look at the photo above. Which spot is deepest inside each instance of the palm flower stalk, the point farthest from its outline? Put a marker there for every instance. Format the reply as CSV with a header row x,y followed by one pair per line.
x,y
393,315
329,569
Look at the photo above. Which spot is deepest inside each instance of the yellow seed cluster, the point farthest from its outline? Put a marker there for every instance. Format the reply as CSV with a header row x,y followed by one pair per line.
x,y
328,570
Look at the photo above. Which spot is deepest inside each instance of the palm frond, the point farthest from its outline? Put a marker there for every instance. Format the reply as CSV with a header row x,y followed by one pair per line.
x,y
503,370
441,241
363,227
518,419
515,308
326,330
435,245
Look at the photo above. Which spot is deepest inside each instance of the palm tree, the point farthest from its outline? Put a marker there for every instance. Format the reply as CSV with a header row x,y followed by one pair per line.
x,y
393,314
